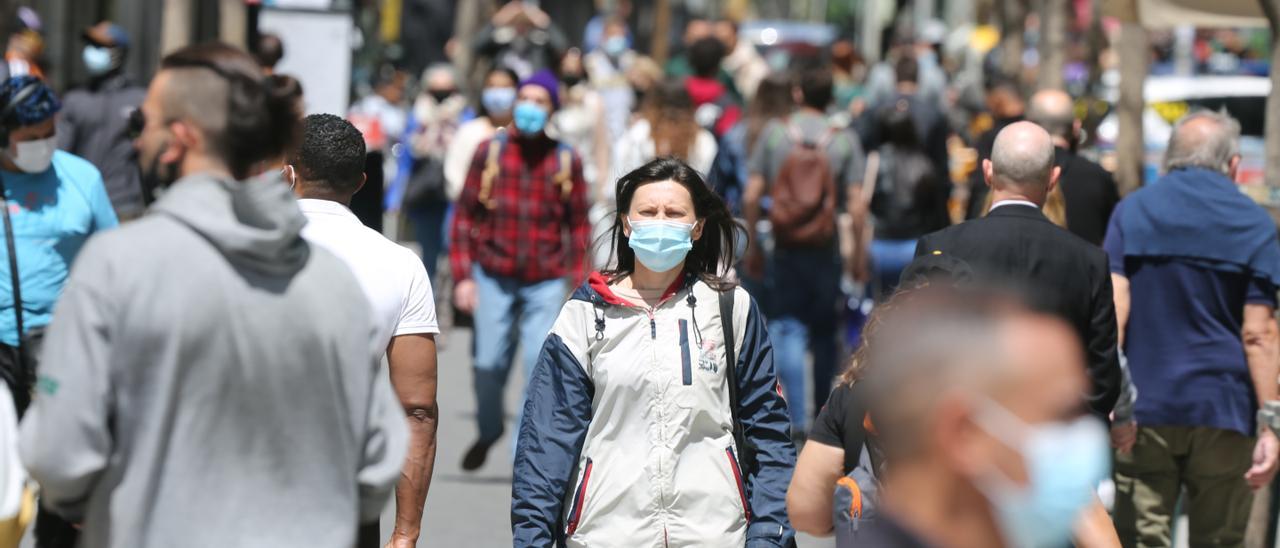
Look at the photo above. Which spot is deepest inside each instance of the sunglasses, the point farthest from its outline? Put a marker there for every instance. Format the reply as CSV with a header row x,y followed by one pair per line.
x,y
137,122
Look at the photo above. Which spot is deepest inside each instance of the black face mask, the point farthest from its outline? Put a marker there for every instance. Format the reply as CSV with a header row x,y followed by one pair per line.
x,y
156,176
441,95
571,80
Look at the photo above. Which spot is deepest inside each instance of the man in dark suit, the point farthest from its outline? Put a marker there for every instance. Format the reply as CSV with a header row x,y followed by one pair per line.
x,y
1090,191
1015,243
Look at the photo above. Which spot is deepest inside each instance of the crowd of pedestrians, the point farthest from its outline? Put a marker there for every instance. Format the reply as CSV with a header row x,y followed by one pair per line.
x,y
745,300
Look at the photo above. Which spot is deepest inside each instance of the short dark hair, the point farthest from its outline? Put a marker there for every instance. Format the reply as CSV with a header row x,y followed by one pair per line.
x,y
705,56
907,69
817,87
331,155
245,116
269,50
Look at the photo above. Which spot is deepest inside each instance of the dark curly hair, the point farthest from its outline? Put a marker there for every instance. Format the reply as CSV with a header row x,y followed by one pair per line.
x,y
711,255
37,107
331,154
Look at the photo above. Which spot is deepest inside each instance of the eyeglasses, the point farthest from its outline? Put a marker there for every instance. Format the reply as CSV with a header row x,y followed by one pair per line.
x,y
137,122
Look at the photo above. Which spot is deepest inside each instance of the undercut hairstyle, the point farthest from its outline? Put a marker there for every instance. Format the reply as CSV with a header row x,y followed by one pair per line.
x,y
1019,162
908,374
37,107
245,117
269,50
331,156
1205,139
816,87
705,56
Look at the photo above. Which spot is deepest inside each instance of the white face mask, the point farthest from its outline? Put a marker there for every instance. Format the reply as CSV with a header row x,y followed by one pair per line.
x,y
34,156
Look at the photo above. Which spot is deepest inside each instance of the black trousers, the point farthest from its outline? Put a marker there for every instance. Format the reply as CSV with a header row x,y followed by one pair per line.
x,y
368,536
54,532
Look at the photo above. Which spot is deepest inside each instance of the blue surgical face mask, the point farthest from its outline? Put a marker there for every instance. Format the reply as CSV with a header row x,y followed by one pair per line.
x,y
530,118
614,45
97,60
1064,463
498,100
660,245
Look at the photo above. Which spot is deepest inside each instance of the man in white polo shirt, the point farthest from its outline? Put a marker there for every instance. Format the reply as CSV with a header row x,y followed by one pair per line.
x,y
325,171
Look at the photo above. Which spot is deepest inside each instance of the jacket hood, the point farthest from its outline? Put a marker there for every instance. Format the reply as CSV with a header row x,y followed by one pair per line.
x,y
255,224
597,291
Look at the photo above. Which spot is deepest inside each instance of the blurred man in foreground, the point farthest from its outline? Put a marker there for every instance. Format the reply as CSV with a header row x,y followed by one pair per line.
x,y
989,440
326,170
1195,265
211,378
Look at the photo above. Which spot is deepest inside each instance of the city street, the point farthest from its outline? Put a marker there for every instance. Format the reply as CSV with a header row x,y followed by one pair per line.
x,y
471,510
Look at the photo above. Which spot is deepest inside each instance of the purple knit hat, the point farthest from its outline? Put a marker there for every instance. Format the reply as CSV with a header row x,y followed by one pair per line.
x,y
545,79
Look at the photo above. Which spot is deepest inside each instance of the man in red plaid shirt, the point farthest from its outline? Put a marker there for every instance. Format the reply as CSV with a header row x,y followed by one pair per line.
x,y
519,239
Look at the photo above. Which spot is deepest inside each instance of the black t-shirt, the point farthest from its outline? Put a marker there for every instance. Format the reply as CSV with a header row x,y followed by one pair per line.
x,y
839,424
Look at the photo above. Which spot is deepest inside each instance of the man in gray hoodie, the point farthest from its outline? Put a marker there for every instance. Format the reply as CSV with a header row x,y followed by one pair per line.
x,y
210,379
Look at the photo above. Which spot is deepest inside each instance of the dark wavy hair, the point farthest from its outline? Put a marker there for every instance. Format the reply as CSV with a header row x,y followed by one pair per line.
x,y
711,255
260,116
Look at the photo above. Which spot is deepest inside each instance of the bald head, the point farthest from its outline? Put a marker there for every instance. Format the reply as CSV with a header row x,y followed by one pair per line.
x,y
1022,161
1204,139
1051,110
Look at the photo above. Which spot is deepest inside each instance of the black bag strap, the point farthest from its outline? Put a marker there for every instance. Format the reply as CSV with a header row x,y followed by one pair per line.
x,y
13,268
731,377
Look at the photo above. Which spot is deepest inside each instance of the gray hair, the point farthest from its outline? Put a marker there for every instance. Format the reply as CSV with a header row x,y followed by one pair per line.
x,y
1023,156
440,68
1204,139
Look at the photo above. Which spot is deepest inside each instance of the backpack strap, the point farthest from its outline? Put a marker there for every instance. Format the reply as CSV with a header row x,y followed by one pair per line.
x,y
491,166
745,453
564,171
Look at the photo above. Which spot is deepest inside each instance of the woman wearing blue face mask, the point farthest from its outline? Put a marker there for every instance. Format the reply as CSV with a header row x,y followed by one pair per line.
x,y
497,101
644,423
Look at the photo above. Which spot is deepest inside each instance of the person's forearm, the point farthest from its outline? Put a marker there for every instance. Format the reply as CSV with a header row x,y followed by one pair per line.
x,y
1262,350
412,360
415,477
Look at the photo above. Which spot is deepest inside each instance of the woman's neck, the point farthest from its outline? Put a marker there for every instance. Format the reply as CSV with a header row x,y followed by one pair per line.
x,y
643,279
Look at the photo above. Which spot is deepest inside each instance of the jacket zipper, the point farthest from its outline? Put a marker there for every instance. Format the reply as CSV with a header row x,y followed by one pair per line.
x,y
737,478
575,515
686,366
653,326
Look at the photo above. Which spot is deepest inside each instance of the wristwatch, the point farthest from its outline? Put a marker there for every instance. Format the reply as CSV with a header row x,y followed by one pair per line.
x,y
1269,416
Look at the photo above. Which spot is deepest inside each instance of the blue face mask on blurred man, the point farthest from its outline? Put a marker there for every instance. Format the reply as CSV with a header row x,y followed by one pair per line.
x,y
498,100
530,118
1064,463
97,60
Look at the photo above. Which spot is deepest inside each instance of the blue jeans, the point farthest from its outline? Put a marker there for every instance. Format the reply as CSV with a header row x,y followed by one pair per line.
x,y
507,308
888,259
805,290
429,229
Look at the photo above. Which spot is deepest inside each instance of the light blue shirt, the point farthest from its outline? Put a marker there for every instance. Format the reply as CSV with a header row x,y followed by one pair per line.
x,y
53,214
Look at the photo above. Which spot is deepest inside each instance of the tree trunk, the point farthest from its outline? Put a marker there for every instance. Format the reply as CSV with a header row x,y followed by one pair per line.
x,y
1053,43
661,32
1013,22
1271,8
1133,72
1097,43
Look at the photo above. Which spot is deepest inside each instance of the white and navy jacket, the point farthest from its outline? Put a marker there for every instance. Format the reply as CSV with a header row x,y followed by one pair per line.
x,y
627,437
